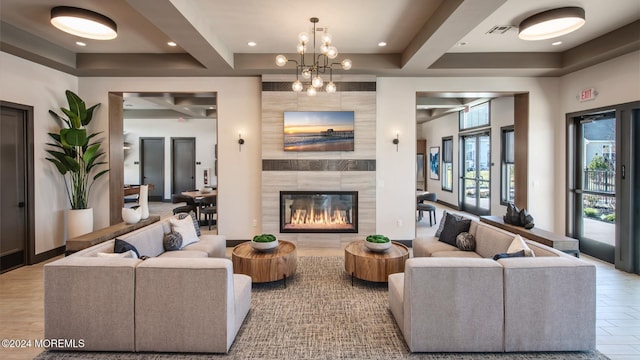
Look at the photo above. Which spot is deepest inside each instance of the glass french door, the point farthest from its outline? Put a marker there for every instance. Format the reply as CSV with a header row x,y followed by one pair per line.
x,y
595,184
476,173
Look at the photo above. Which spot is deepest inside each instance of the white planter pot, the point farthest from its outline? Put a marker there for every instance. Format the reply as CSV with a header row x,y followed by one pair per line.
x,y
143,200
79,222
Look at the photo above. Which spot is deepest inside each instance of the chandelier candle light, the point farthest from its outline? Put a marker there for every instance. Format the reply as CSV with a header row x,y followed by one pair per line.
x,y
321,63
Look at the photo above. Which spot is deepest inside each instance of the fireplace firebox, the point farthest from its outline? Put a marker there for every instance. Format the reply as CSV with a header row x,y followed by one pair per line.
x,y
318,211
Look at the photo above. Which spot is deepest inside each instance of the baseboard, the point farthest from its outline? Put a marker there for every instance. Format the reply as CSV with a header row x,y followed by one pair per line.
x,y
38,258
234,243
454,207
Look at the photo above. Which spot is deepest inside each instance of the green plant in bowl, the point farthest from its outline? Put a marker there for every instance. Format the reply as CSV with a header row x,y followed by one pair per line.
x,y
377,243
264,238
264,242
378,239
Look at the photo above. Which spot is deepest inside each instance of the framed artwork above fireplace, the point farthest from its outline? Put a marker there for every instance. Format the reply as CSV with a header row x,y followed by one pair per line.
x,y
319,130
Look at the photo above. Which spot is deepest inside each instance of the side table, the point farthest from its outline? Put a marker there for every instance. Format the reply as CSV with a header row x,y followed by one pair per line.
x,y
365,264
265,266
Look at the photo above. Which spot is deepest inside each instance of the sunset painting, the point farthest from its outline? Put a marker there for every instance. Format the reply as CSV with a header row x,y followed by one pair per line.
x,y
318,130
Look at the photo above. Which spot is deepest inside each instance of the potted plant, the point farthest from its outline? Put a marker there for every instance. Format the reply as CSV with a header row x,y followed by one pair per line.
x,y
264,242
76,154
378,243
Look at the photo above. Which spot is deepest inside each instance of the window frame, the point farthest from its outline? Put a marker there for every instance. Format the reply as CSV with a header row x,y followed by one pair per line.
x,y
461,115
444,164
504,182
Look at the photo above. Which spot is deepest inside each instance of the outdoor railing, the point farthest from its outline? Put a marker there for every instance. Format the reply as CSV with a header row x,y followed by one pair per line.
x,y
603,181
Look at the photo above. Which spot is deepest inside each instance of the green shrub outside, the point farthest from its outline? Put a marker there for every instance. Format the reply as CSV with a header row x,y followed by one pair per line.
x,y
590,212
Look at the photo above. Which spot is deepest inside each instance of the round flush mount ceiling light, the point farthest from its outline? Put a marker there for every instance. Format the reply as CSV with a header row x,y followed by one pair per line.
x,y
83,23
551,23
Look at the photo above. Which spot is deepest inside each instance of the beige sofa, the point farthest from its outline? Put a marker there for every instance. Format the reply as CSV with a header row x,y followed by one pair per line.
x,y
178,301
449,300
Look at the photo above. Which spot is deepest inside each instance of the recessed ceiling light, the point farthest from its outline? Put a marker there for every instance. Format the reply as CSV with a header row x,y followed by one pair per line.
x,y
462,43
83,23
80,43
172,43
556,43
382,44
252,43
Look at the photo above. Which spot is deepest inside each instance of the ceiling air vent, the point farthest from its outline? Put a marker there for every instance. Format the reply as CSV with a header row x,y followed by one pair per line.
x,y
500,29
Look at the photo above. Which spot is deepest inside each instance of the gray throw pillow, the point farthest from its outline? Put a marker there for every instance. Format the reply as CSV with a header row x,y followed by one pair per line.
x,y
195,221
121,246
453,227
172,241
466,241
442,221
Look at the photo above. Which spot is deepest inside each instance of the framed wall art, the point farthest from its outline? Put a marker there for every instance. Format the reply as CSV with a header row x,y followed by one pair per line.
x,y
434,163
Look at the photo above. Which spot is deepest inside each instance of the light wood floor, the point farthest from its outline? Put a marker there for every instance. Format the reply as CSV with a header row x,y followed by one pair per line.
x,y
618,305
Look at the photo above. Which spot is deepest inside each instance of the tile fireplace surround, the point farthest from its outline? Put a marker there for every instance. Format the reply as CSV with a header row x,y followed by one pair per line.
x,y
319,171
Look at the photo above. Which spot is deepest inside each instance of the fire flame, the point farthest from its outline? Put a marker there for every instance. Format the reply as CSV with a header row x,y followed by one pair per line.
x,y
310,217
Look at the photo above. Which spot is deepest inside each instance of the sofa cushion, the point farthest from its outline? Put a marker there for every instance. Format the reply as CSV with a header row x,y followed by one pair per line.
x,y
466,241
147,239
452,227
121,246
130,254
491,240
184,254
172,241
518,244
185,228
196,225
214,245
427,246
456,253
509,255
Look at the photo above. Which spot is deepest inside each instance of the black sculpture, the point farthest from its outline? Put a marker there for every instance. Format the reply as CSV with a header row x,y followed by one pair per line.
x,y
518,217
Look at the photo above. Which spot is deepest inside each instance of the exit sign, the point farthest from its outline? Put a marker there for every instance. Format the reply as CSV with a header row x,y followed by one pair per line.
x,y
587,94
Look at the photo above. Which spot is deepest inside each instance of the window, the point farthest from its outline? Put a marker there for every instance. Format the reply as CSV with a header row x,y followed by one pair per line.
x,y
507,183
476,116
447,163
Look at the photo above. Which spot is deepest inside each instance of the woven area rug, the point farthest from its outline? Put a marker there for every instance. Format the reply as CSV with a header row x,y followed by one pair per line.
x,y
319,315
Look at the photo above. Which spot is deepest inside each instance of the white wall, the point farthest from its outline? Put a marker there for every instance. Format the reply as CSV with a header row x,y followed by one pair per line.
x,y
433,131
27,83
238,111
204,130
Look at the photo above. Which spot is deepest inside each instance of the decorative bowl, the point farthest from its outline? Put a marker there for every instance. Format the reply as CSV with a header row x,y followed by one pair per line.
x,y
264,246
377,243
377,247
206,190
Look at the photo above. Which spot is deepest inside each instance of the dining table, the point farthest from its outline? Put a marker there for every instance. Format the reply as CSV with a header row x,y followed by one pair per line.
x,y
199,196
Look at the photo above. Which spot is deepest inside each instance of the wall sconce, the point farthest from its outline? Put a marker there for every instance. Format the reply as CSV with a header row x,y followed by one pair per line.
x,y
396,141
240,141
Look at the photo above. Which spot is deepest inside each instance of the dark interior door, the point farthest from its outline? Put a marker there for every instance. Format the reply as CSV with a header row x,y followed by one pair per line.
x,y
183,163
13,142
152,166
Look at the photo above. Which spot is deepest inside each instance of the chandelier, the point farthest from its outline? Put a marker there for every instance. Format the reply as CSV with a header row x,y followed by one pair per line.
x,y
310,73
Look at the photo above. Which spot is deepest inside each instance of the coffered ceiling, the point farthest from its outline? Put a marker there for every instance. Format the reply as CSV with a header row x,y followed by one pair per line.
x,y
424,38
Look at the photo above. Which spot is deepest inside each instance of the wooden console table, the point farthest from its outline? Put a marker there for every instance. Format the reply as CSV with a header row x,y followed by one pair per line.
x,y
556,241
96,237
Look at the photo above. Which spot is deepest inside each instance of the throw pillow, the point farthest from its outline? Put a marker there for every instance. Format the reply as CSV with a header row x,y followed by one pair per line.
x,y
126,254
185,228
509,255
518,244
195,221
121,246
452,228
466,241
442,221
172,241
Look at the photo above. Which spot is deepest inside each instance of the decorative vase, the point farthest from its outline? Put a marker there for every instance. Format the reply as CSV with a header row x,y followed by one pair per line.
x,y
79,222
143,200
131,215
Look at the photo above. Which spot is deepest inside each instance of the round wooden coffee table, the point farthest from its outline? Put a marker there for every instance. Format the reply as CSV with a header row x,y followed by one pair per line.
x,y
365,264
267,266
